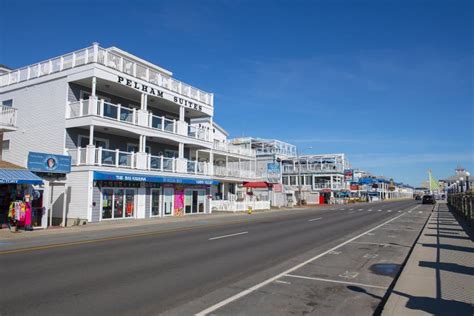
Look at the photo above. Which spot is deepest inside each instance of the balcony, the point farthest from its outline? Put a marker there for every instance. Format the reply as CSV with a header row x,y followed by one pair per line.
x,y
110,59
93,156
119,113
222,171
312,168
8,116
233,149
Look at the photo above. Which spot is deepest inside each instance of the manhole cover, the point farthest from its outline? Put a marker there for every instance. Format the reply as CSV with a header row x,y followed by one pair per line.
x,y
385,268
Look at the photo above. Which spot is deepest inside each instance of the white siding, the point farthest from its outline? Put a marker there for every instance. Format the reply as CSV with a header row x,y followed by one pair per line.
x,y
41,120
78,181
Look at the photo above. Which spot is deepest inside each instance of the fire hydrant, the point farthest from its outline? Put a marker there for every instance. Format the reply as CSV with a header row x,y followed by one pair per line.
x,y
249,211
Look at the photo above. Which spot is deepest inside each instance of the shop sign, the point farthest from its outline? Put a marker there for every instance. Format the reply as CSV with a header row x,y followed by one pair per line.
x,y
158,93
277,187
354,187
349,175
49,163
273,172
110,176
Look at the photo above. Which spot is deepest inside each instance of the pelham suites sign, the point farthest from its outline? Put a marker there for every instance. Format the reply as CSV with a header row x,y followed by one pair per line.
x,y
158,93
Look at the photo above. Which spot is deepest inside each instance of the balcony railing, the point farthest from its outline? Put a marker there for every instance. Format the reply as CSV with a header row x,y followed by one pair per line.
x,y
8,116
312,168
222,171
95,107
226,147
108,58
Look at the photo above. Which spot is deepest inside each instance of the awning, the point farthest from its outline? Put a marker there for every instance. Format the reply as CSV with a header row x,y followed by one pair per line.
x,y
257,185
18,176
135,177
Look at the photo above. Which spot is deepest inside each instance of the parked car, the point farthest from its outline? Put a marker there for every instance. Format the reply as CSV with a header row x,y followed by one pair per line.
x,y
418,197
428,199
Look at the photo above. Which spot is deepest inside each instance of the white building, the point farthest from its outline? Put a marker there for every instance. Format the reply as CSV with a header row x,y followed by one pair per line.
x,y
319,177
142,144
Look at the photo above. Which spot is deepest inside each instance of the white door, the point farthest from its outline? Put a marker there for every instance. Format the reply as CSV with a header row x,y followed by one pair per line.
x,y
168,199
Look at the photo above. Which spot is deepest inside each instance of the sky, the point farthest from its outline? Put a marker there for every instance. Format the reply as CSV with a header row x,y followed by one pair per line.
x,y
389,83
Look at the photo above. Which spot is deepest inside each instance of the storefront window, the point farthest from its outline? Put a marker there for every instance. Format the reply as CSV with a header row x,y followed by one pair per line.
x,y
107,195
118,203
129,203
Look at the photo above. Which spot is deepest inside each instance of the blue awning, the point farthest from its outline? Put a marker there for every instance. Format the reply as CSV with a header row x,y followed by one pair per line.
x,y
113,176
18,176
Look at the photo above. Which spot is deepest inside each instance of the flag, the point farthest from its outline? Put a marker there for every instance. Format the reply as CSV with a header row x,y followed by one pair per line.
x,y
434,186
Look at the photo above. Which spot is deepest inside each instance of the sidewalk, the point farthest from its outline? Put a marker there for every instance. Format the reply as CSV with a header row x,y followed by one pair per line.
x,y
438,278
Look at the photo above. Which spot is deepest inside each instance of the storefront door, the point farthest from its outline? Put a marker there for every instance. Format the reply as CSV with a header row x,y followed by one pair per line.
x,y
155,202
168,197
118,203
194,201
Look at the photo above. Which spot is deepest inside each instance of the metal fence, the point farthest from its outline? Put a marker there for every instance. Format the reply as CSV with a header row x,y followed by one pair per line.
x,y
461,203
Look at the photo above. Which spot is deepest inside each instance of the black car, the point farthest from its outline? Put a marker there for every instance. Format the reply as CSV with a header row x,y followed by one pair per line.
x,y
428,199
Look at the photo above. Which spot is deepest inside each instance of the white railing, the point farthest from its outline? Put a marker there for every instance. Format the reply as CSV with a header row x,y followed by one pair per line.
x,y
115,158
160,163
234,206
312,168
223,171
8,116
226,147
198,133
197,167
162,123
96,54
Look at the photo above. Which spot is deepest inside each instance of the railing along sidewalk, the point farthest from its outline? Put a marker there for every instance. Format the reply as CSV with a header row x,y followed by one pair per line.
x,y
461,204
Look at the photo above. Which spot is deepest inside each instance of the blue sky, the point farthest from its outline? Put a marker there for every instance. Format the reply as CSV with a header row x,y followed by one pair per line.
x,y
390,83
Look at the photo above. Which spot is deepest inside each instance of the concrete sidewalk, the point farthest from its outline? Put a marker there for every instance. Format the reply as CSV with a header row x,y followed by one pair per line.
x,y
438,278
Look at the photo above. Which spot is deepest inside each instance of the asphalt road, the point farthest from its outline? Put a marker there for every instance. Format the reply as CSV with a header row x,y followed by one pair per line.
x,y
184,272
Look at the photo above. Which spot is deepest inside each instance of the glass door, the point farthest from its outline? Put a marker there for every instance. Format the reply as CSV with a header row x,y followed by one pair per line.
x,y
168,196
195,201
107,205
118,203
201,201
155,202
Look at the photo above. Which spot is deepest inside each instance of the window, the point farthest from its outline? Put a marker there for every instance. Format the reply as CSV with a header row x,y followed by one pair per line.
x,y
8,103
6,144
118,203
84,95
292,180
98,142
134,147
285,180
309,180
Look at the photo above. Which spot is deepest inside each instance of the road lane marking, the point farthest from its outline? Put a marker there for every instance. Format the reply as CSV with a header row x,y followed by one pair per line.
x,y
278,276
379,210
369,210
349,275
389,211
335,281
359,209
231,235
282,282
314,219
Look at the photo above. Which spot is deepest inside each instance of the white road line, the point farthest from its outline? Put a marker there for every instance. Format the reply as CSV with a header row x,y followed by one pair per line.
x,y
371,243
278,276
379,210
314,219
359,209
283,282
370,210
335,281
351,209
231,235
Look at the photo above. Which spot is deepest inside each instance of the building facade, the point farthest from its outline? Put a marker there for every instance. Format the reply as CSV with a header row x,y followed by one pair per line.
x,y
142,144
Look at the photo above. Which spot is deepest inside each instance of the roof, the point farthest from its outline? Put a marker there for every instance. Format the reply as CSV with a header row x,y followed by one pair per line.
x,y
8,165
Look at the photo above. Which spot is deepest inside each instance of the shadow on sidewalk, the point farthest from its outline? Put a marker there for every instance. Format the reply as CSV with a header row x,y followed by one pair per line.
x,y
437,306
451,267
450,247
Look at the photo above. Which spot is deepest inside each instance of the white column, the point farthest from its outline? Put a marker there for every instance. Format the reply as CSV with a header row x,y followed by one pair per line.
x,y
331,182
91,135
181,113
94,84
181,150
211,162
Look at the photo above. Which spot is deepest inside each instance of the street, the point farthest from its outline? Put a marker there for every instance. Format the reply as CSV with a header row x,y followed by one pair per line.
x,y
310,261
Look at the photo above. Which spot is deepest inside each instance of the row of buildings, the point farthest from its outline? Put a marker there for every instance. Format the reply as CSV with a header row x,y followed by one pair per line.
x,y
100,134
